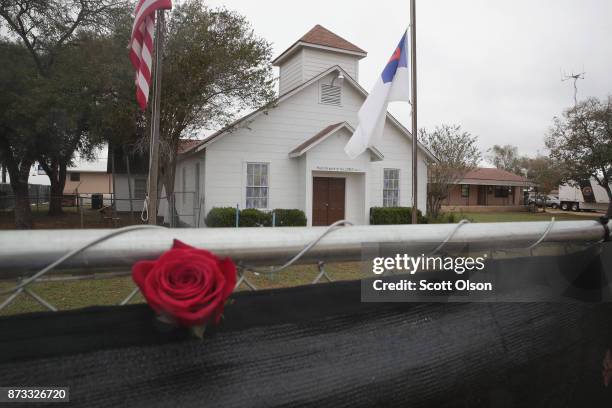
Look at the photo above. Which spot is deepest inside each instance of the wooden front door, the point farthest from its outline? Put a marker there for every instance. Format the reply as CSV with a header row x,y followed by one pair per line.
x,y
482,195
327,200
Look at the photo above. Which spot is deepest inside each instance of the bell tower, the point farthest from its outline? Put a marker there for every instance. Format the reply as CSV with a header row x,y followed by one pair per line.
x,y
317,50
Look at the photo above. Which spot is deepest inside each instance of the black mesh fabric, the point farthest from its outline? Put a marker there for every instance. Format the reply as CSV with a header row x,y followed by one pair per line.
x,y
319,346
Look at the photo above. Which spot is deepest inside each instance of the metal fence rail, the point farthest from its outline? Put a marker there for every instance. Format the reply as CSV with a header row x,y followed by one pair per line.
x,y
84,251
22,251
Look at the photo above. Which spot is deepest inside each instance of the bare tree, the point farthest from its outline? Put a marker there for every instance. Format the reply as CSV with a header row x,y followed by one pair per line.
x,y
457,154
505,158
574,78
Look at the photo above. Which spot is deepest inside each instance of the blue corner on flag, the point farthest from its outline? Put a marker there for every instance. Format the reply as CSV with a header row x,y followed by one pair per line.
x,y
398,59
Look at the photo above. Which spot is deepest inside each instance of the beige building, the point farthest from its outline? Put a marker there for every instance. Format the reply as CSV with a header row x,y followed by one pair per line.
x,y
488,187
85,183
88,182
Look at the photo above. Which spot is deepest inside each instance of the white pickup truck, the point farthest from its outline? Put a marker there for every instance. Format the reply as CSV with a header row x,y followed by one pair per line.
x,y
588,195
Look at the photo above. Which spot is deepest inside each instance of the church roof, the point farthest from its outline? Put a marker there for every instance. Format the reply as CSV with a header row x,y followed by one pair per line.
x,y
320,36
323,134
494,176
251,116
186,145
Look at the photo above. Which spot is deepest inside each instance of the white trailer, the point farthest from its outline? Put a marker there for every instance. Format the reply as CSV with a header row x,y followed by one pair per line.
x,y
587,195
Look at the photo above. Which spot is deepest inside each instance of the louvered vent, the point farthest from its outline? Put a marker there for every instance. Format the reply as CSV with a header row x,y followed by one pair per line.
x,y
330,95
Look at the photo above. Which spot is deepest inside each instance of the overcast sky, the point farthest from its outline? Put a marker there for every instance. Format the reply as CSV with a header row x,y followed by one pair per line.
x,y
492,66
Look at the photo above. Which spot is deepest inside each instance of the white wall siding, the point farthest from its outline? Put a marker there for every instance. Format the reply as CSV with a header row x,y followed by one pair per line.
x,y
270,137
186,197
397,150
291,73
122,193
316,61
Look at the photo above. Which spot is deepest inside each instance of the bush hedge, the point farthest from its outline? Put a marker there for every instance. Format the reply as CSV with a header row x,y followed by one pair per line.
x,y
289,218
252,217
394,215
221,217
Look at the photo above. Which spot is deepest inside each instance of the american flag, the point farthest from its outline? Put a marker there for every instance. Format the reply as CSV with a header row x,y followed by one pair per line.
x,y
141,45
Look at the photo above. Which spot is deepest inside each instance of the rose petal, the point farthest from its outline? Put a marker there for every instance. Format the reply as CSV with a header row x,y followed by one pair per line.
x,y
190,284
228,268
176,244
140,271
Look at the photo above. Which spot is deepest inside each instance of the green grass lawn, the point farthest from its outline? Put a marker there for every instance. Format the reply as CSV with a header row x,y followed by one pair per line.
x,y
526,216
70,219
76,294
66,295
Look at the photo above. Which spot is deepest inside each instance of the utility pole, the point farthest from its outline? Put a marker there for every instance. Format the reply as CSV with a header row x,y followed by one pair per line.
x,y
413,85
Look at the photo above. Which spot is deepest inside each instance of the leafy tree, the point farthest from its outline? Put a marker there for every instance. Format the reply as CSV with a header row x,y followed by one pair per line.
x,y
214,68
582,141
117,118
18,80
505,157
45,27
543,171
457,154
48,31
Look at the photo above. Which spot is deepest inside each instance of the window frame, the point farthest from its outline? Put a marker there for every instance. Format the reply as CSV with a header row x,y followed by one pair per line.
x,y
465,194
75,176
501,191
394,200
251,201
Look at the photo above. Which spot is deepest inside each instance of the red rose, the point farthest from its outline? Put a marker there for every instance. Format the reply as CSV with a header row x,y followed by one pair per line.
x,y
188,284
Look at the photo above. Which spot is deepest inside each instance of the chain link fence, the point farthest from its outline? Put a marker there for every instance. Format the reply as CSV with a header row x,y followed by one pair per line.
x,y
39,195
181,209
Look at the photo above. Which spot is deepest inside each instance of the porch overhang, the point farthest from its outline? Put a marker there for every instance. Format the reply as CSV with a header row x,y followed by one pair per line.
x,y
375,154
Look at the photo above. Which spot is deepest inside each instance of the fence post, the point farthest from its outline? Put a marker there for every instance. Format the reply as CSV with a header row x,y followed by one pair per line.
x,y
81,211
173,210
237,215
273,219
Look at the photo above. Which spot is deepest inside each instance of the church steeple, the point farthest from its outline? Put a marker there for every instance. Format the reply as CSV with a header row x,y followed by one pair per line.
x,y
315,52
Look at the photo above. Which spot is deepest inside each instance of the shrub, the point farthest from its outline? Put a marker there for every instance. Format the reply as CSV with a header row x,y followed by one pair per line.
x,y
252,217
444,218
290,218
450,218
394,215
221,217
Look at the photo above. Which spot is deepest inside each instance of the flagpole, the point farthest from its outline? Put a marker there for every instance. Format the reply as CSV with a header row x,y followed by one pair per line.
x,y
413,98
155,114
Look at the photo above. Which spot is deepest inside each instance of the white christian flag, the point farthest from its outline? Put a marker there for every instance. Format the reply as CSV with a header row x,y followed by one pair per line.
x,y
393,85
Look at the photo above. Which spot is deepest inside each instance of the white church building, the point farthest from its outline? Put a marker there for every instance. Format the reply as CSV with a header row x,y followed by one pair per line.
x,y
291,154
